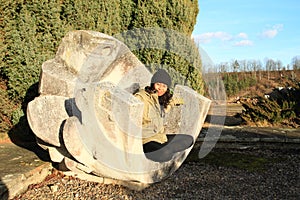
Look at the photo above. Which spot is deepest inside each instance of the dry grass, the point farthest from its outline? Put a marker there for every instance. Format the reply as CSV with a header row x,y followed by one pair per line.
x,y
267,83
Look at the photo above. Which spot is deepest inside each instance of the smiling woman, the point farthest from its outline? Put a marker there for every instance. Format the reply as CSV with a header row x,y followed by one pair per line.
x,y
157,99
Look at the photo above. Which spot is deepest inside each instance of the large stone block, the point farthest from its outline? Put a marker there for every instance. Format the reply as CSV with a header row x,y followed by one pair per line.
x,y
45,116
57,79
88,119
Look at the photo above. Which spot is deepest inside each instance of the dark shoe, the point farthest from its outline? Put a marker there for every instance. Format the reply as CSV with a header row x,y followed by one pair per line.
x,y
179,142
157,152
164,152
162,155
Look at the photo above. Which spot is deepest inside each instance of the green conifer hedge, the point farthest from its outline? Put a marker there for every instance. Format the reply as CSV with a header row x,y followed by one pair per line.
x,y
32,30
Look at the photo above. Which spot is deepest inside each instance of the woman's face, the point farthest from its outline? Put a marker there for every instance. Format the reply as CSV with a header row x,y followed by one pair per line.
x,y
161,88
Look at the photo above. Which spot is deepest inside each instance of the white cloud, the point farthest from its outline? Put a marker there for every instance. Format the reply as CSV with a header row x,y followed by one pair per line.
x,y
242,35
240,39
269,33
272,32
207,37
243,43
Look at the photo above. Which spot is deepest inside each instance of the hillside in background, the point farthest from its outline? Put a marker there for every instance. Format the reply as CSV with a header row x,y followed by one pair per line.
x,y
265,83
266,99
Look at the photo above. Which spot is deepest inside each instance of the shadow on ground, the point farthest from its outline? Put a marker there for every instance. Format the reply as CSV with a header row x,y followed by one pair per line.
x,y
21,134
223,120
4,193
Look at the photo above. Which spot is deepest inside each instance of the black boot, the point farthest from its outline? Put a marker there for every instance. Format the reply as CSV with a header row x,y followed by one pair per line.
x,y
164,152
158,152
179,142
160,155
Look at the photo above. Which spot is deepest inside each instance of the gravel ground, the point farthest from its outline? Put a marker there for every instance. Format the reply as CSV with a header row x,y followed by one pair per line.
x,y
223,174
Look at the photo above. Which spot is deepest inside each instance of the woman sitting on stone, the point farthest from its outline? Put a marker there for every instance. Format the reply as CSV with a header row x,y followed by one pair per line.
x,y
157,99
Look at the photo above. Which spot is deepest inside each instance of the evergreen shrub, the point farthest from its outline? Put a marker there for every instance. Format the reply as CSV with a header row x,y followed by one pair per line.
x,y
32,30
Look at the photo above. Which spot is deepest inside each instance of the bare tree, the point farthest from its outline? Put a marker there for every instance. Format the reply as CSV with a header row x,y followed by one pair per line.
x,y
255,67
296,62
223,67
235,66
259,68
279,65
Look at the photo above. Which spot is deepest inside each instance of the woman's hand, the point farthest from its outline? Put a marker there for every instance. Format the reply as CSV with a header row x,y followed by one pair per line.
x,y
175,101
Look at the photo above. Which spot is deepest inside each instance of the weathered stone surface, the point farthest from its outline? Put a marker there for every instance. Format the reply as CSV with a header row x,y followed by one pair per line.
x,y
88,119
57,79
88,56
45,116
55,155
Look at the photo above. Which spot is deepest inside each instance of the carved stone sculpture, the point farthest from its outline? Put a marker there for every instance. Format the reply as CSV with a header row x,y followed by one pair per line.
x,y
88,119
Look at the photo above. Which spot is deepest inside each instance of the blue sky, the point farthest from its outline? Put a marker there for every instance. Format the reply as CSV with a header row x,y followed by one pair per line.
x,y
249,29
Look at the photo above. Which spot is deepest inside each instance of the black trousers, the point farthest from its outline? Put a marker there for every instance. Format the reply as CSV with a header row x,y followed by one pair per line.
x,y
164,152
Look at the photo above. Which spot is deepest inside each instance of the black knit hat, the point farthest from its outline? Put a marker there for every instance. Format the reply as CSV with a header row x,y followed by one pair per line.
x,y
161,76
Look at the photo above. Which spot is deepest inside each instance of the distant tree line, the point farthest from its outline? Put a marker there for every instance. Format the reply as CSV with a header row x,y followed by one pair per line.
x,y
257,66
279,108
239,75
